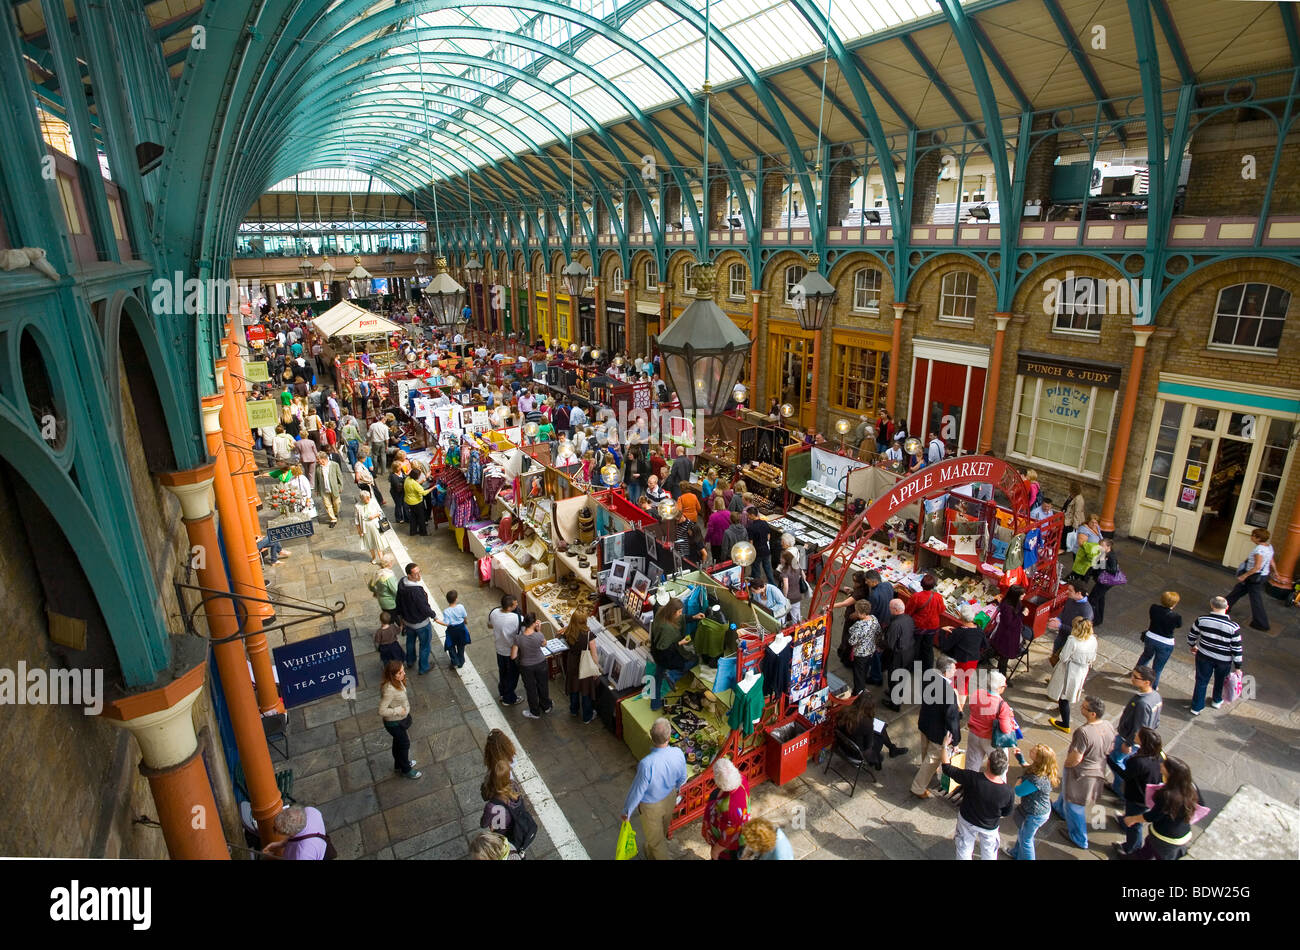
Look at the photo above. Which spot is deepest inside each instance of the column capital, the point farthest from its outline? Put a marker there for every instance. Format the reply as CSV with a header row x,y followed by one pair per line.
x,y
628,286
1002,320
899,310
192,489
160,719
211,411
1143,333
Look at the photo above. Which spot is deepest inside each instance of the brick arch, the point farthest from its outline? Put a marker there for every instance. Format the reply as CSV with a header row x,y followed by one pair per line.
x,y
774,271
722,263
608,261
639,259
944,263
557,263
1225,273
847,265
1029,294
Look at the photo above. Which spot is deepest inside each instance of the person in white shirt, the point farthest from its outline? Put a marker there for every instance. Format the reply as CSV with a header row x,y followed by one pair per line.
x,y
457,339
377,435
504,621
577,418
1044,510
935,451
1251,576
895,451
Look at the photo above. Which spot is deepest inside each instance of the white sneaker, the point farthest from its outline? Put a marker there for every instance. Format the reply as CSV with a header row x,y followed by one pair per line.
x,y
529,715
1215,704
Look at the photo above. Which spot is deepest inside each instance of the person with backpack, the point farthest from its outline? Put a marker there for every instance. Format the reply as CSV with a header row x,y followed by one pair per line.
x,y
504,809
989,713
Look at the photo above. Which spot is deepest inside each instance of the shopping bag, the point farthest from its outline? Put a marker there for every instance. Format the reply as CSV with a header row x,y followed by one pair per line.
x,y
957,761
626,848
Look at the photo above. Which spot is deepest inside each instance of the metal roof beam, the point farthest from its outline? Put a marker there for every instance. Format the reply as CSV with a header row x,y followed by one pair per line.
x,y
838,103
933,75
867,74
1175,41
1085,66
1000,64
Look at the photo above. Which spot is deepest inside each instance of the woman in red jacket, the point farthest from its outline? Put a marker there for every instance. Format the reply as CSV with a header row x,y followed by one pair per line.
x,y
925,608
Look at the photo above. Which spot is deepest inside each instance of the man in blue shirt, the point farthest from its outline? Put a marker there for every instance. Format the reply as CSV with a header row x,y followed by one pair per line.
x,y
658,777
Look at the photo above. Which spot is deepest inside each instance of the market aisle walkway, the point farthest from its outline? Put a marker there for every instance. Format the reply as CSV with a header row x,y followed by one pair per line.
x,y
343,765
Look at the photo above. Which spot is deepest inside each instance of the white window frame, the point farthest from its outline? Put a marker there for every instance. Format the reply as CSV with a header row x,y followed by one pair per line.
x,y
857,289
791,284
947,290
651,275
1028,456
733,280
1063,305
688,278
1238,347
616,278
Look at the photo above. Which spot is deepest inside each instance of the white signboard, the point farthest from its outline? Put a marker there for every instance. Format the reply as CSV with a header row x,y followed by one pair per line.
x,y
832,470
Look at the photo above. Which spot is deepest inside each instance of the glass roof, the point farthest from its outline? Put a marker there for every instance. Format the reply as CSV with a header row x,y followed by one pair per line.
x,y
767,33
339,180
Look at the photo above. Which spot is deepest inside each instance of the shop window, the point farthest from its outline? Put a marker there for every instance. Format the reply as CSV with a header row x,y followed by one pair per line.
x,y
857,377
957,297
616,279
1162,459
1268,481
651,275
737,282
866,290
793,275
1057,423
688,279
1249,317
68,196
617,336
1078,304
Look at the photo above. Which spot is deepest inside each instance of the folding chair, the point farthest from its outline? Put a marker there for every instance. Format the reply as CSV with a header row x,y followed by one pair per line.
x,y
1020,662
847,749
276,726
1159,530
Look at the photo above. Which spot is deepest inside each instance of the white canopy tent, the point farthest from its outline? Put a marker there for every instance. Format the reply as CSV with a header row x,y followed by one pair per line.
x,y
346,319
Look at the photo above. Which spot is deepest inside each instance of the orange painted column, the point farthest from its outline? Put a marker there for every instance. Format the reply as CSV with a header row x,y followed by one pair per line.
x,y
1283,573
895,351
596,303
162,723
249,580
1119,452
239,433
994,379
815,390
192,489
756,297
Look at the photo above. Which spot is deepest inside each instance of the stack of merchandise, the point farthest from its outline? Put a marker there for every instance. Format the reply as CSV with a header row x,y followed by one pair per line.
x,y
623,667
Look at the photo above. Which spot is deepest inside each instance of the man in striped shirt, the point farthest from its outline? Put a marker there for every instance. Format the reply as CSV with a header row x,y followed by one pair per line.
x,y
1215,639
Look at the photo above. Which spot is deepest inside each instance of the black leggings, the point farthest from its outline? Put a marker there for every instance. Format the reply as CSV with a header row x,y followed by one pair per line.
x,y
401,743
1064,706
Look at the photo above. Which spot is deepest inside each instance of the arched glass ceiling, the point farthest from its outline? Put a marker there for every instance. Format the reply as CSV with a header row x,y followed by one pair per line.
x,y
327,180
769,34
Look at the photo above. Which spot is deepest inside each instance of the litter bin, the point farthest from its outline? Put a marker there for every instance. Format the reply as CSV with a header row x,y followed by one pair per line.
x,y
787,749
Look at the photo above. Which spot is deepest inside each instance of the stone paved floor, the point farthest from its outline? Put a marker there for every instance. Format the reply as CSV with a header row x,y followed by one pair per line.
x,y
342,763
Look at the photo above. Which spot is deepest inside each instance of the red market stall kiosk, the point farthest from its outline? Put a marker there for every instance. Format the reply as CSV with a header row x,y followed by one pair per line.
x,y
758,756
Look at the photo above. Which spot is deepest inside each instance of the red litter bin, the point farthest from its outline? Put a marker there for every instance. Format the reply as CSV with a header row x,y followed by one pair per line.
x,y
787,749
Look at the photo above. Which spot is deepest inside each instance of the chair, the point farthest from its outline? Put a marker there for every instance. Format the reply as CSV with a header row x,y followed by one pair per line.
x,y
1160,530
276,726
1020,662
845,747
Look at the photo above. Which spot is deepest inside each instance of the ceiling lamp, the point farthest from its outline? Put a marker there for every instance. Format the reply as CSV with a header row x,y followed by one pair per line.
x,y
446,297
421,266
575,277
390,265
360,278
306,267
813,297
474,271
704,351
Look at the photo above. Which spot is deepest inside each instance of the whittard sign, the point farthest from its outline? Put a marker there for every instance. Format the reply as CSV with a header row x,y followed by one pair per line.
x,y
317,667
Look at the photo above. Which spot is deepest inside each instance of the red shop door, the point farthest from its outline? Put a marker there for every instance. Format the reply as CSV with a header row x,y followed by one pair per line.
x,y
947,398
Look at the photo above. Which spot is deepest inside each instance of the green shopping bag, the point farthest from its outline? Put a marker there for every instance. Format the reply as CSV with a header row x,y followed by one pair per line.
x,y
626,849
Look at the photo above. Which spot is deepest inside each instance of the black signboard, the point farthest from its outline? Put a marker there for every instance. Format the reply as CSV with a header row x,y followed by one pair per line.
x,y
1079,372
278,534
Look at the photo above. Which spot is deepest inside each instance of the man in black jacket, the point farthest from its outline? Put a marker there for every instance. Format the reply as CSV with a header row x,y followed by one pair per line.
x,y
986,799
939,721
417,615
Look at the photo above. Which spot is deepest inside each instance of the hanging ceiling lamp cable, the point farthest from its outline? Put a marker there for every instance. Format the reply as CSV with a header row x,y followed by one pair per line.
x,y
428,139
708,97
815,200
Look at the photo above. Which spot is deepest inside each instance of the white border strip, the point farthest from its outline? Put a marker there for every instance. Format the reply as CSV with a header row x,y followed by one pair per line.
x,y
548,811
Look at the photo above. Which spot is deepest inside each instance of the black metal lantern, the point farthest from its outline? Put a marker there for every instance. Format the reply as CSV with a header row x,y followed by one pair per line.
x,y
704,351
813,297
575,278
390,265
421,266
474,271
446,297
306,267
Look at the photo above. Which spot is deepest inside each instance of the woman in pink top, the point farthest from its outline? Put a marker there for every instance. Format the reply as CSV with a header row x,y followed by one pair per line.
x,y
986,707
719,522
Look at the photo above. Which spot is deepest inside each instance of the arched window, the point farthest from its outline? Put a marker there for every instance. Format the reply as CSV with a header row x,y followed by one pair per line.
x,y
957,297
688,278
793,274
737,281
652,275
616,279
1249,317
866,290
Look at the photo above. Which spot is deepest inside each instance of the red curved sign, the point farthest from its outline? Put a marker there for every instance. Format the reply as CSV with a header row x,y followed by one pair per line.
x,y
931,480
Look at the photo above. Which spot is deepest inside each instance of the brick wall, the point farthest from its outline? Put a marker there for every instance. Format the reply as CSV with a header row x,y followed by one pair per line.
x,y
924,183
772,207
1215,186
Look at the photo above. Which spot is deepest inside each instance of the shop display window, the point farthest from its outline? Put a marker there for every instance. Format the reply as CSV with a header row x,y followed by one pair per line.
x,y
1059,423
858,376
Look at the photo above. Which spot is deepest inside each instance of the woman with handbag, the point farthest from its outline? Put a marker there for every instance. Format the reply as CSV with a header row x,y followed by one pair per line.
x,y
395,710
363,473
1108,575
370,523
581,667
727,810
1008,627
1071,670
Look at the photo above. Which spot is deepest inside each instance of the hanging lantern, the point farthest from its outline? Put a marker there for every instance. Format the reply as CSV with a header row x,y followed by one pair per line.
x,y
703,350
474,271
813,297
390,265
609,474
359,277
446,297
306,267
740,393
327,271
575,277
668,509
743,553
421,266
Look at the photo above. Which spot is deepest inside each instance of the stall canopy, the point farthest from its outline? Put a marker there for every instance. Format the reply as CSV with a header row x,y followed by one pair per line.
x,y
346,319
